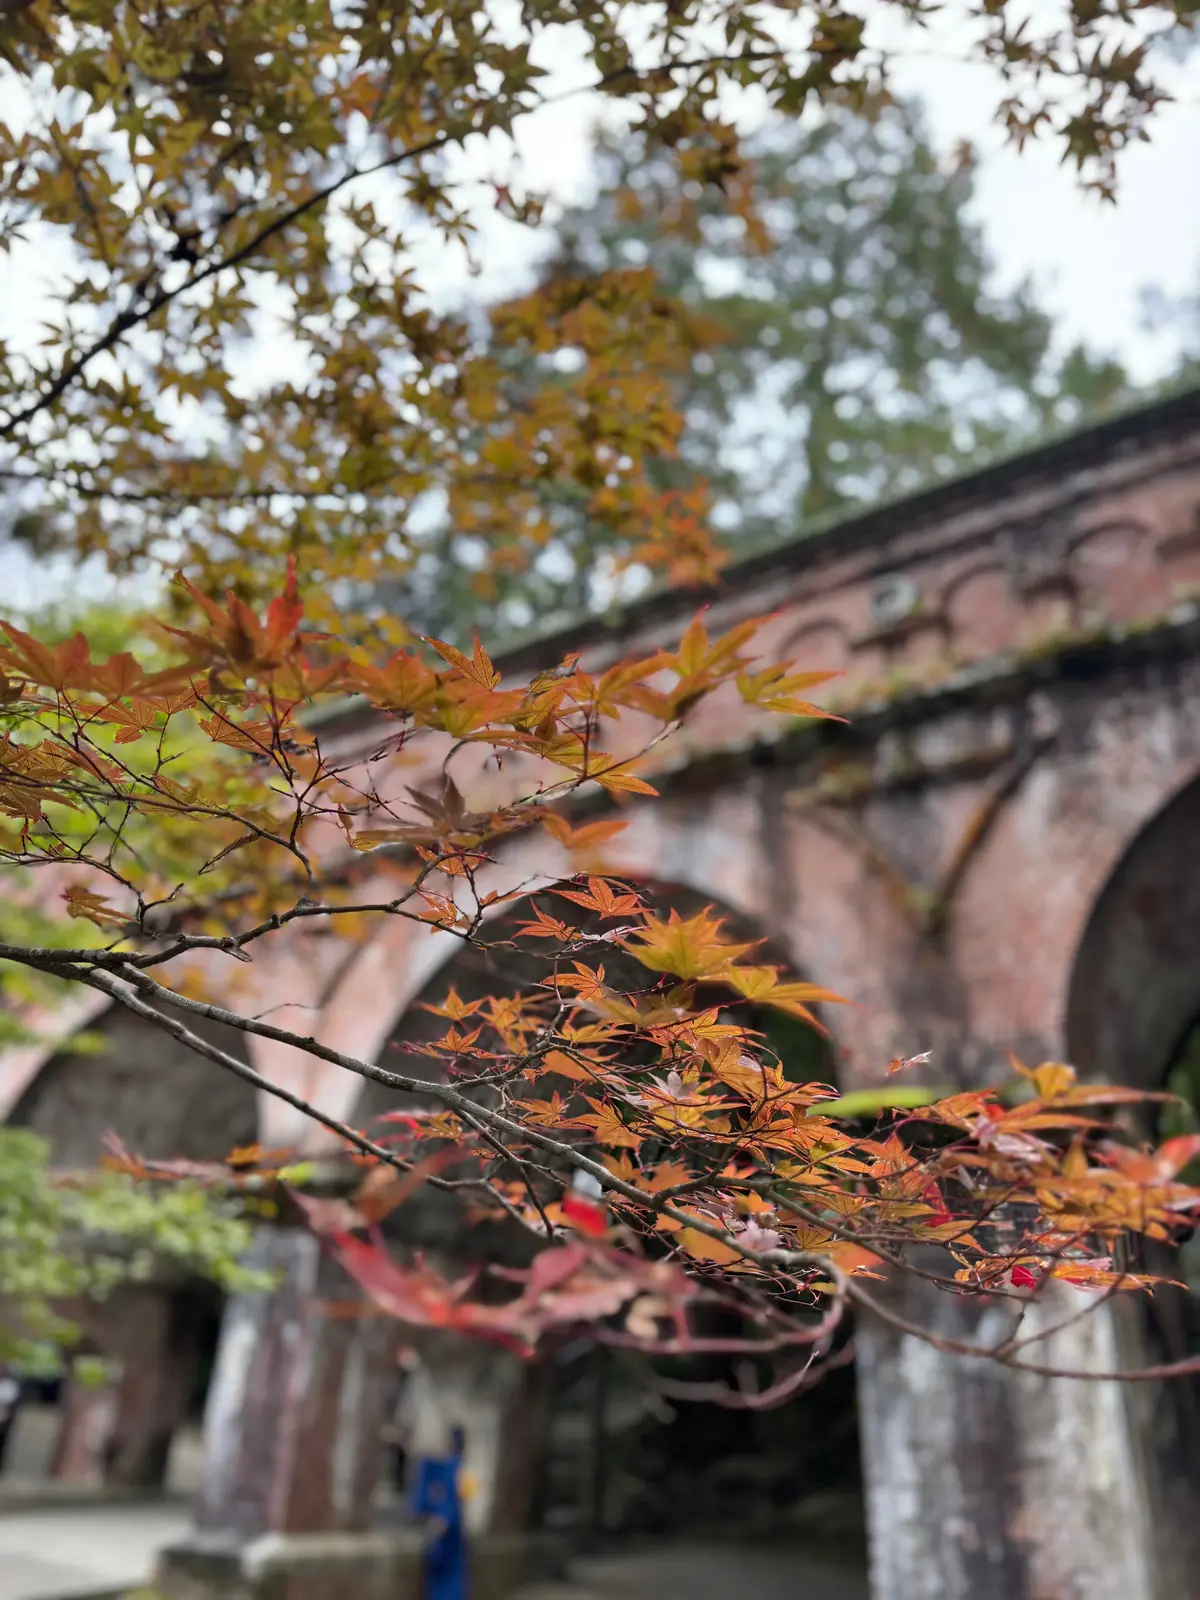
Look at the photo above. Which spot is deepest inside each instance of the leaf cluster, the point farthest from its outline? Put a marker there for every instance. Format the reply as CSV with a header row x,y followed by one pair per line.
x,y
67,1237
609,1094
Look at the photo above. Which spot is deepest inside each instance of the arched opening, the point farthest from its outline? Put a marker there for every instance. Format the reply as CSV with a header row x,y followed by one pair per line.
x,y
623,1463
143,1429
1181,1117
1133,1016
1135,984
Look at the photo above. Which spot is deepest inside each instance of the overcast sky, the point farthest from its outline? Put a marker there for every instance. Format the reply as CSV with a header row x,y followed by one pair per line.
x,y
1090,260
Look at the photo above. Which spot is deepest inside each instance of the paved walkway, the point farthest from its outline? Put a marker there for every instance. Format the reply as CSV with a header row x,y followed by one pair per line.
x,y
52,1554
689,1571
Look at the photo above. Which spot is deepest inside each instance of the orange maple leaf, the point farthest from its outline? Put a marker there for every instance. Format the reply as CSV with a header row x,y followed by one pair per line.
x,y
582,838
689,948
453,1006
82,902
776,689
544,927
477,667
599,897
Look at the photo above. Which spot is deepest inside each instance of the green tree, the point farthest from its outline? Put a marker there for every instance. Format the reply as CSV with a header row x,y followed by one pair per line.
x,y
861,350
71,1236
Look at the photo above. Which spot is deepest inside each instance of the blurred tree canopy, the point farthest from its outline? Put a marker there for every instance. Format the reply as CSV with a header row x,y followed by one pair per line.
x,y
845,345
65,1237
241,217
853,347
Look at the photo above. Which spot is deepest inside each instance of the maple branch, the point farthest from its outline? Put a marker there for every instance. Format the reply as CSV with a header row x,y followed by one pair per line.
x,y
811,1334
243,1070
450,1097
131,318
127,319
179,1031
877,1247
958,1347
744,1399
845,1286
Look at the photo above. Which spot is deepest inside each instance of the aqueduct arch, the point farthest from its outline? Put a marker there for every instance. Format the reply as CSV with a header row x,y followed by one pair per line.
x,y
160,1101
1021,668
1134,1001
512,1419
1135,989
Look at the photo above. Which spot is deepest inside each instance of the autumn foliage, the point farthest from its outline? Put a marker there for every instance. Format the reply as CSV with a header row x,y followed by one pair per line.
x,y
284,758
231,174
614,1110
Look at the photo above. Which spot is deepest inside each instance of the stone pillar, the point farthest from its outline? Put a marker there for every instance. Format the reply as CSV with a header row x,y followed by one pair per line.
x,y
119,1432
159,1344
983,1484
87,1412
293,1443
292,1430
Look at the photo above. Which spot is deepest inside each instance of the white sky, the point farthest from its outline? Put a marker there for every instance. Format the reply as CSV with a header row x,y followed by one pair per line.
x,y
1089,260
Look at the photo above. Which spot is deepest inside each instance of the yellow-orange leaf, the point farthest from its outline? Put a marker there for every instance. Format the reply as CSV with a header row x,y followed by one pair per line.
x,y
702,1248
82,902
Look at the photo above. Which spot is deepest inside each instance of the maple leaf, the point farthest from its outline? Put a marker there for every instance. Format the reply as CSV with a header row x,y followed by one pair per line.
x,y
587,835
477,667
734,1066
255,737
453,1006
854,1259
702,1247
547,1113
283,614
83,902
328,1215
132,720
562,1065
755,1237
936,1200
607,1126
59,667
1152,1166
236,638
776,689
587,982
762,984
666,1175
386,1188
599,897
612,774
697,655
404,684
690,948
546,927
585,1214
422,1298
1050,1081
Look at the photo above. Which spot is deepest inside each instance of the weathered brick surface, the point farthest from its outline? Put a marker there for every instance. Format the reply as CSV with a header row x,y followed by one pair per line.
x,y
160,1099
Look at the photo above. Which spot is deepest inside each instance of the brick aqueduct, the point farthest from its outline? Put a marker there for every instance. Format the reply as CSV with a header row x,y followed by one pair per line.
x,y
998,853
